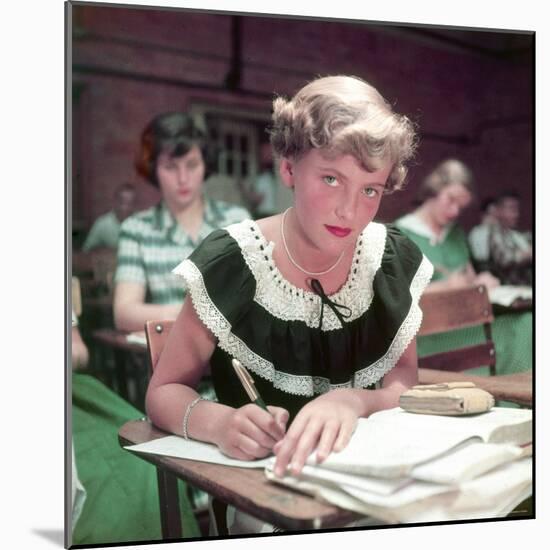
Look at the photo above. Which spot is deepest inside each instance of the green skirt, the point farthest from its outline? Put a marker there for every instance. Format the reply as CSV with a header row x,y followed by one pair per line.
x,y
512,334
121,489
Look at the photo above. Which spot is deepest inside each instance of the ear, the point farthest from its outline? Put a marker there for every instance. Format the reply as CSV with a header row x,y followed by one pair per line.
x,y
286,171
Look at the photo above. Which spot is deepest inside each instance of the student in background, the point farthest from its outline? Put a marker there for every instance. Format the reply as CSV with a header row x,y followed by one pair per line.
x,y
172,157
478,237
105,230
433,226
297,297
114,496
266,195
511,254
445,193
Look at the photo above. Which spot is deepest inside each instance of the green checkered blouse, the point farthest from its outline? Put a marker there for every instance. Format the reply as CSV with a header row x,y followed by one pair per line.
x,y
152,244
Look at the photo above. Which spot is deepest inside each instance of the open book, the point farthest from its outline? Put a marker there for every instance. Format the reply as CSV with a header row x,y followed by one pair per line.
x,y
403,467
390,443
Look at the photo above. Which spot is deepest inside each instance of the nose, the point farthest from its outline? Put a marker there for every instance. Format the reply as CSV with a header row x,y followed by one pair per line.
x,y
183,174
347,206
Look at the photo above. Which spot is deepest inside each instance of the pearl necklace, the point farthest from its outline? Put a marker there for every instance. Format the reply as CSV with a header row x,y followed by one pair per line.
x,y
315,274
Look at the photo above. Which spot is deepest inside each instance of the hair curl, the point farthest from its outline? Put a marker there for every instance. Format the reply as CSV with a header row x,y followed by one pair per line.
x,y
174,133
344,115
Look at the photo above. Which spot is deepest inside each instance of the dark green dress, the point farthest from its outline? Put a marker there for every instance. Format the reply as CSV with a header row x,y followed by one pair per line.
x,y
298,344
121,503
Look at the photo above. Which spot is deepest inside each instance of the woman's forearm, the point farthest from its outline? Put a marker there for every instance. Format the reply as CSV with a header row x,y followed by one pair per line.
x,y
166,407
371,401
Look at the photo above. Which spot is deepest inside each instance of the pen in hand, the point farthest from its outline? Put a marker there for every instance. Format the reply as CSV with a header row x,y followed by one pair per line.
x,y
248,384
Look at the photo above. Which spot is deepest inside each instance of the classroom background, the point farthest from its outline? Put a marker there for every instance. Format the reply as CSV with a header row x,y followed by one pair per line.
x,y
469,92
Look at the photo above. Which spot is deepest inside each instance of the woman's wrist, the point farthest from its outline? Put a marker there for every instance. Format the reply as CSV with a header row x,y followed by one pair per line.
x,y
206,421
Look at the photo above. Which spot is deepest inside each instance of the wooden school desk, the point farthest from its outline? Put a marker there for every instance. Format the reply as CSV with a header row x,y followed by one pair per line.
x,y
246,489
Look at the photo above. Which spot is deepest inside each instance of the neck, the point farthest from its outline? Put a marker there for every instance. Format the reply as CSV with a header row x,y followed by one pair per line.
x,y
302,251
425,213
190,216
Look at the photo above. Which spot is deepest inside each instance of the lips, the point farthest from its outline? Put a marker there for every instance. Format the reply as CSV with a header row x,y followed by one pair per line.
x,y
338,231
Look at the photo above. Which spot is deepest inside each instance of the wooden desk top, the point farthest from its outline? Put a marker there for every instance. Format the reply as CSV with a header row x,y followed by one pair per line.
x,y
517,388
117,339
247,489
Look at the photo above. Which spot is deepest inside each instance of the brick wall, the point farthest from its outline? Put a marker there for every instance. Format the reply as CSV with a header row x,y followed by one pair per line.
x,y
131,64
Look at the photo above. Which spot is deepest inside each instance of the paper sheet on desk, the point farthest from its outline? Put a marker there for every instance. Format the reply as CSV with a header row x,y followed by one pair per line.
x,y
137,338
505,295
177,447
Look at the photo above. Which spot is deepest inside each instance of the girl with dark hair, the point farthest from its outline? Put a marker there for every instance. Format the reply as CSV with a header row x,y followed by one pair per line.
x,y
173,156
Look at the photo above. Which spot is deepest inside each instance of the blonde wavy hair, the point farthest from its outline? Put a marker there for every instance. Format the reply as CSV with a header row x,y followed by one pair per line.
x,y
344,115
446,173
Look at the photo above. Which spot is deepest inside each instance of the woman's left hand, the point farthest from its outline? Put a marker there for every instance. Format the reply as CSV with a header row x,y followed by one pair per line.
x,y
326,424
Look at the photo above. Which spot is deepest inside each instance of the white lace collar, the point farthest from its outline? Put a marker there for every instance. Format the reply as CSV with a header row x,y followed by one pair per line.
x,y
289,383
287,302
413,222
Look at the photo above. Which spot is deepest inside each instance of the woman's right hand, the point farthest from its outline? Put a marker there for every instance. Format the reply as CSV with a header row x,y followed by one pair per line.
x,y
250,432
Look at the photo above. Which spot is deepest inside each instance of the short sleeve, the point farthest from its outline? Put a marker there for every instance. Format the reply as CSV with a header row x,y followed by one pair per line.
x,y
130,265
395,315
218,281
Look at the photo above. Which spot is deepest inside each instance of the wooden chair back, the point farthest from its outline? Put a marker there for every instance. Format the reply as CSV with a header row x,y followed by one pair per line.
x,y
455,309
156,333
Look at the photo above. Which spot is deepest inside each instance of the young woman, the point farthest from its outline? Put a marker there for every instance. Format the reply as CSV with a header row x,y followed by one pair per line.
x,y
319,303
172,157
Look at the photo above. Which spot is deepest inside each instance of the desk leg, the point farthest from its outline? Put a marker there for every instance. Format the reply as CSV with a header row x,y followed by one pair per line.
x,y
120,368
170,515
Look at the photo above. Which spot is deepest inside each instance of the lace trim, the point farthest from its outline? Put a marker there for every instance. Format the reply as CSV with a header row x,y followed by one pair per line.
x,y
403,337
290,303
212,317
214,320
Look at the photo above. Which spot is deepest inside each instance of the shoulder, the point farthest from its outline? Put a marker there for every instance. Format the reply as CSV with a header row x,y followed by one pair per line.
x,y
139,222
392,258
221,252
228,213
218,278
399,245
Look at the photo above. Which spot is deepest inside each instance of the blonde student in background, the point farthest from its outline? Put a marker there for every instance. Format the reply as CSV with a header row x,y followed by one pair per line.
x,y
319,303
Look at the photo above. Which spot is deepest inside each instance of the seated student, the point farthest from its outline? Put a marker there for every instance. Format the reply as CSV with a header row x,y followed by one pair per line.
x,y
105,230
266,195
445,193
478,238
511,254
114,496
152,242
320,303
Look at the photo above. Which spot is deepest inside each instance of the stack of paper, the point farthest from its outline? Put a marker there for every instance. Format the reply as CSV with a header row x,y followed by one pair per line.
x,y
403,467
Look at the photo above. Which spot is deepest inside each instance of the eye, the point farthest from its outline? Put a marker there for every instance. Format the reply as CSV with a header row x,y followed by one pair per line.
x,y
167,165
331,181
370,192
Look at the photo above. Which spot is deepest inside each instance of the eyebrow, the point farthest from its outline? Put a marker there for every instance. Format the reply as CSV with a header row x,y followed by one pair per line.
x,y
342,175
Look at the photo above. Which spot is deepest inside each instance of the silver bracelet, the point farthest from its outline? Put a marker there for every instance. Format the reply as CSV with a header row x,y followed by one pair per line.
x,y
188,414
